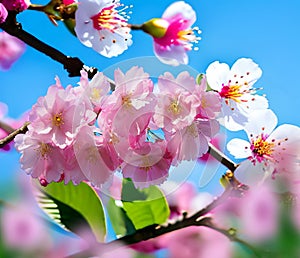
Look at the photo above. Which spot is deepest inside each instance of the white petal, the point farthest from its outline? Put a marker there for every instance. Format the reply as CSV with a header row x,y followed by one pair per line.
x,y
180,8
232,117
261,121
291,132
254,102
247,68
250,174
217,74
113,44
239,148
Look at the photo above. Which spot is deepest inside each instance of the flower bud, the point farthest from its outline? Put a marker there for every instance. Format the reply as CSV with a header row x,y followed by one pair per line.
x,y
156,27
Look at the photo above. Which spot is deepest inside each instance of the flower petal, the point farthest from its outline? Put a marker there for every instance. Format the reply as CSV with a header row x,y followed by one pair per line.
x,y
183,9
261,121
239,148
217,74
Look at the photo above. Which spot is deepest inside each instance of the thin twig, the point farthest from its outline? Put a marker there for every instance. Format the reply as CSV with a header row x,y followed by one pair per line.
x,y
23,129
220,156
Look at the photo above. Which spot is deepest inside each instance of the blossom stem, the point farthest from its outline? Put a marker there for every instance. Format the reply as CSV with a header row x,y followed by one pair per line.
x,y
220,156
136,26
72,64
23,129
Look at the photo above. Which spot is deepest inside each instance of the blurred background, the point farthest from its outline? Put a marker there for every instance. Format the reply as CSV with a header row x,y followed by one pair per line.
x,y
267,31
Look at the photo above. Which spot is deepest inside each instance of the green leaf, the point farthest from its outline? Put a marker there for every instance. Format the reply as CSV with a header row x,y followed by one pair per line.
x,y
144,207
121,224
74,207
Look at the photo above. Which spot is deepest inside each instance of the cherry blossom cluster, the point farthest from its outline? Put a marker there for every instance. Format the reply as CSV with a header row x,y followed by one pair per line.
x,y
141,129
87,133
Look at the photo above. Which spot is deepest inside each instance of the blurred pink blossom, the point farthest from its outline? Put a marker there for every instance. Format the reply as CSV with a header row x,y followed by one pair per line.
x,y
197,242
16,5
3,13
23,230
11,49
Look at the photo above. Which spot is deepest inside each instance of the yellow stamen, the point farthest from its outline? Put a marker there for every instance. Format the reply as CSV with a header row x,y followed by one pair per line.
x,y
58,120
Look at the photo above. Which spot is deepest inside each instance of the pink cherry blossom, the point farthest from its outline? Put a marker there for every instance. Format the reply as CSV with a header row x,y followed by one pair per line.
x,y
127,111
179,37
95,165
95,90
102,26
16,5
259,214
269,151
197,242
3,13
210,106
58,115
176,104
147,165
11,49
23,230
235,87
40,158
191,142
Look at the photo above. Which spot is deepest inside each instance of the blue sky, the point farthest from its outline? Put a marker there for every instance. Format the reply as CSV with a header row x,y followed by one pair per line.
x,y
266,31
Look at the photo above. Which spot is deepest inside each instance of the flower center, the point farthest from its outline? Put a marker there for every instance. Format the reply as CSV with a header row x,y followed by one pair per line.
x,y
174,107
126,101
58,120
146,164
96,94
109,18
261,148
44,149
232,92
192,130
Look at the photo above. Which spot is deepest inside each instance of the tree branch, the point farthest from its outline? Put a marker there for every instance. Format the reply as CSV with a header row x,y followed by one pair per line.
x,y
72,64
23,129
220,156
157,230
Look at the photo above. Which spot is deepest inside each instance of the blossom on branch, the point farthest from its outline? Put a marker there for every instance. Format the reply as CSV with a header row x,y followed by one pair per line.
x,y
172,34
270,151
235,87
102,26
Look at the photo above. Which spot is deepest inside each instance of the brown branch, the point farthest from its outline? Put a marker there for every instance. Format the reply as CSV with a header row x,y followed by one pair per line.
x,y
23,129
157,230
72,64
220,156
